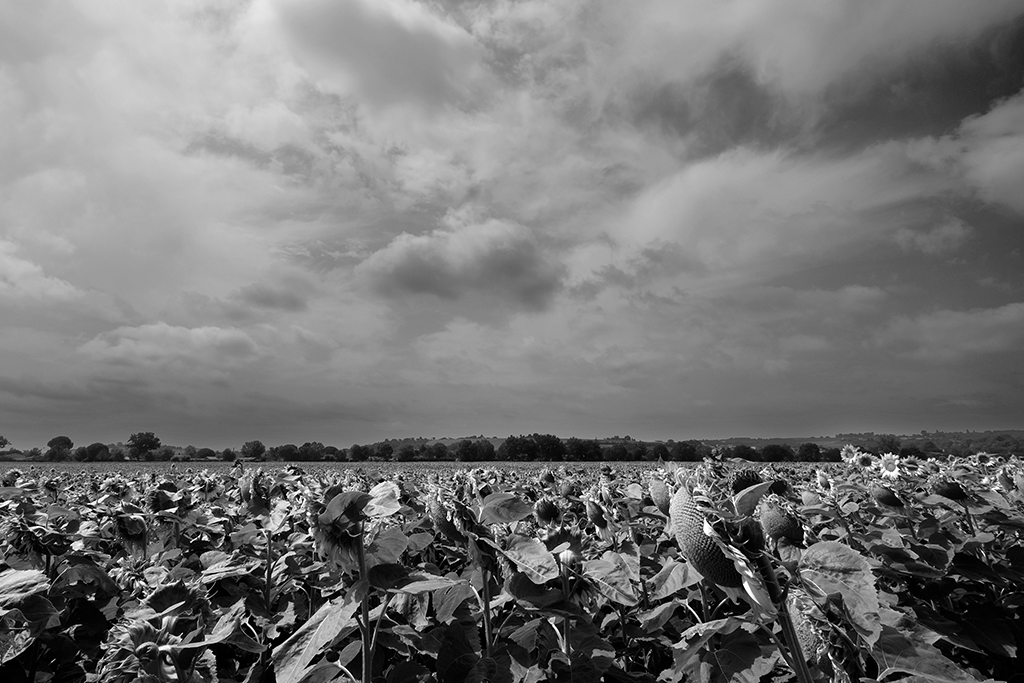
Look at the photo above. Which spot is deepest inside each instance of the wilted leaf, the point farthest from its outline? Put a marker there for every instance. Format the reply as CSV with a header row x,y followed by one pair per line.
x,y
348,504
746,500
428,584
503,508
611,576
532,558
837,568
673,577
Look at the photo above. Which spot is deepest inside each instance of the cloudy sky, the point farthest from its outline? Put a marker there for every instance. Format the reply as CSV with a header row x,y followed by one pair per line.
x,y
347,220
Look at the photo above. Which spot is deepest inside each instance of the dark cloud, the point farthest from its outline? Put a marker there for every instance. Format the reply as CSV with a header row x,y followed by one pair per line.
x,y
930,93
497,259
723,108
277,298
392,54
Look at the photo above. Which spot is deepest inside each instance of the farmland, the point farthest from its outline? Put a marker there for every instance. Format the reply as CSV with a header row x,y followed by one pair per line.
x,y
875,568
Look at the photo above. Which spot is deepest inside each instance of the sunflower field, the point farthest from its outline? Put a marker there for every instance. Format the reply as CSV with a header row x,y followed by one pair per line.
x,y
879,568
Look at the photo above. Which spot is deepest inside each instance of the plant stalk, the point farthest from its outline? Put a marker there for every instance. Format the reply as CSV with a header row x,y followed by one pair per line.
x,y
803,672
566,626
268,576
485,575
365,608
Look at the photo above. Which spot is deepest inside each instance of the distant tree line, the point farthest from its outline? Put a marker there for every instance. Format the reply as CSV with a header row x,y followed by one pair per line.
x,y
146,446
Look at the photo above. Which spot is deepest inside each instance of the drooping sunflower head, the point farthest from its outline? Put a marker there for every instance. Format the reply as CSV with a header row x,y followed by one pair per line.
x,y
338,530
567,543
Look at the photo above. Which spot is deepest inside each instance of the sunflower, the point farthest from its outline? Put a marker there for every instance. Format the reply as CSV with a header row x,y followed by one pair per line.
x,y
568,542
849,453
888,466
864,461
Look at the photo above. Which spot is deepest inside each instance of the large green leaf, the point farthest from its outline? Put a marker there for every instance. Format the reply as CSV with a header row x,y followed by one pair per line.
x,y
18,584
384,500
898,651
833,567
293,655
15,634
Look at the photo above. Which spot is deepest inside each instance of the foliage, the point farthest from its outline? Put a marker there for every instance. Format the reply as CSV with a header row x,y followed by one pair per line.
x,y
141,443
429,572
253,449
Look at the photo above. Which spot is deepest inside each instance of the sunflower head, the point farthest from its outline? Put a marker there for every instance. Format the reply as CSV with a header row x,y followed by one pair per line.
x,y
888,466
864,460
567,543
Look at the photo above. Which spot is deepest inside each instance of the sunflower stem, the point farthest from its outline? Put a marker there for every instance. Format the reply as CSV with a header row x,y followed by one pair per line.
x,y
803,672
364,608
566,626
268,576
485,576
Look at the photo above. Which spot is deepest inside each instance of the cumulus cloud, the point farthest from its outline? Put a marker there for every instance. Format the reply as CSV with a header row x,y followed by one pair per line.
x,y
263,295
750,214
496,258
23,279
985,156
163,344
941,239
948,335
389,52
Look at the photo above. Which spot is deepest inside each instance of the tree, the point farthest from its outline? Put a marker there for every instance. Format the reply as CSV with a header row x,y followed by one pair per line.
x,y
97,451
809,452
142,443
549,447
61,442
205,454
406,453
227,455
311,450
617,452
745,452
288,451
59,448
385,451
641,452
484,450
466,451
659,452
438,451
4,443
686,451
887,443
253,449
777,452
358,453
584,450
